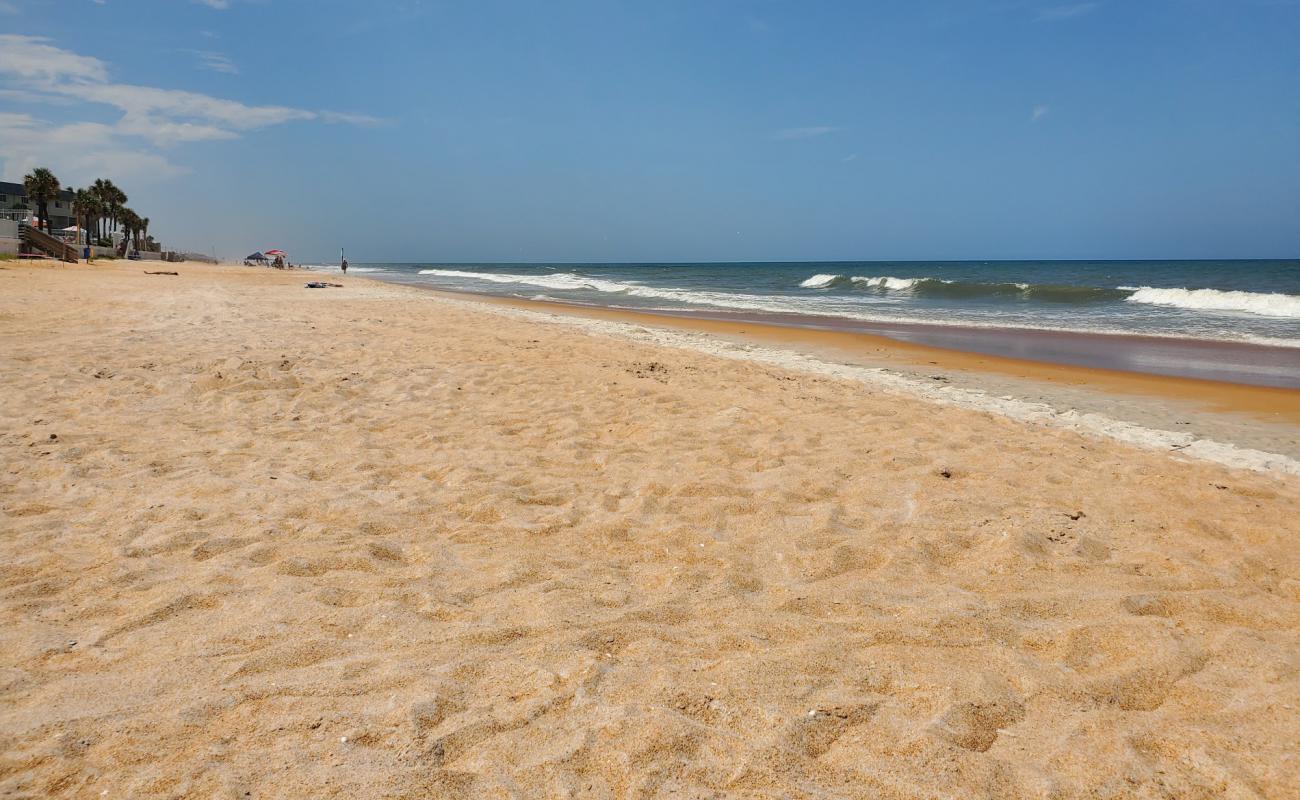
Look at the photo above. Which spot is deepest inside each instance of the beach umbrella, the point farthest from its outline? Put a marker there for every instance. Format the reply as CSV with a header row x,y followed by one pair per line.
x,y
255,257
276,253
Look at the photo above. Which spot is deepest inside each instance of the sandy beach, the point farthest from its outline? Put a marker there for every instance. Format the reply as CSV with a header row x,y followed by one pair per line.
x,y
370,541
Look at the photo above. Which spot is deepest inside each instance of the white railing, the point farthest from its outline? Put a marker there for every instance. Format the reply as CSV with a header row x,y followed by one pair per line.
x,y
16,214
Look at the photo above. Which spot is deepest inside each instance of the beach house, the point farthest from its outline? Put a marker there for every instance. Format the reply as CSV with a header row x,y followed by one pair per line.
x,y
60,208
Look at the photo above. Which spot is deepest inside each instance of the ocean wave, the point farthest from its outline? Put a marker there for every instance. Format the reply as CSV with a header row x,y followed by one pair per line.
x,y
938,287
572,281
820,281
815,304
335,268
555,280
890,282
828,281
1268,305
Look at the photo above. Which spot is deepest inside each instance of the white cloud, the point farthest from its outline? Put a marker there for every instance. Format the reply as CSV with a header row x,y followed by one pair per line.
x,y
147,100
32,70
1039,112
220,5
1056,13
216,62
164,133
805,133
26,96
364,120
79,152
850,157
31,58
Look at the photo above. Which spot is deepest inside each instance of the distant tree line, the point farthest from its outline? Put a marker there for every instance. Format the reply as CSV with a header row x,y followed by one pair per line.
x,y
99,208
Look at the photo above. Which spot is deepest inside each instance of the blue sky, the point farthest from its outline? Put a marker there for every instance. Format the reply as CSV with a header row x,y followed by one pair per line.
x,y
672,131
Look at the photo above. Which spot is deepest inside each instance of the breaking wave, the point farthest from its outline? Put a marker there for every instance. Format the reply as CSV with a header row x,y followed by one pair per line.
x,y
820,281
827,281
572,281
885,286
936,287
1271,305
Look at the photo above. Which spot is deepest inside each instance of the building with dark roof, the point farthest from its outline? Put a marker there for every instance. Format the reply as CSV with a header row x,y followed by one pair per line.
x,y
15,195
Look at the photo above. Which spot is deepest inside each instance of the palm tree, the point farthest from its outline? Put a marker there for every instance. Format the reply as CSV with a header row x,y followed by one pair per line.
x,y
144,230
86,205
131,227
112,201
102,189
119,203
42,187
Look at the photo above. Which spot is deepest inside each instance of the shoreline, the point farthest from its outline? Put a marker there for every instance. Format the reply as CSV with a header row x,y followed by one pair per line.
x,y
1270,443
1239,425
1267,403
1247,363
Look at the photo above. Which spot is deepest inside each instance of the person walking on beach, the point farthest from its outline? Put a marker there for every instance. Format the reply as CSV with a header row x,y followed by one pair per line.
x,y
345,266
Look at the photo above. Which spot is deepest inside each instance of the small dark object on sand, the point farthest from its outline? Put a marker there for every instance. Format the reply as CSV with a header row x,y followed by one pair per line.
x,y
147,272
322,284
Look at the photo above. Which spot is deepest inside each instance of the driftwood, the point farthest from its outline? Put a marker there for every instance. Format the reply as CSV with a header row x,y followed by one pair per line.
x,y
147,272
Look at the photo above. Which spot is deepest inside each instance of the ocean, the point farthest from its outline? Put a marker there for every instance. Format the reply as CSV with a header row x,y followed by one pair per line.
x,y
1233,301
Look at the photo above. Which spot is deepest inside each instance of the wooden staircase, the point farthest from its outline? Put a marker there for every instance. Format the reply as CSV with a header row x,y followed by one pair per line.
x,y
42,241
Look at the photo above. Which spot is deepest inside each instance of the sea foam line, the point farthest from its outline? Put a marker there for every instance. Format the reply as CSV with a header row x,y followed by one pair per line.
x,y
1275,304
1268,305
782,305
1183,444
824,280
573,281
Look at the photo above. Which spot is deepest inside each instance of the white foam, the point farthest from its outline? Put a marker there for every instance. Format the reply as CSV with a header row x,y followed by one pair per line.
x,y
573,281
819,281
335,268
888,282
809,304
1181,444
1269,305
822,280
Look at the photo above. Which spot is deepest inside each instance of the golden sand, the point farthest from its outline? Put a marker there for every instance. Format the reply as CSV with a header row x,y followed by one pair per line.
x,y
1271,404
263,541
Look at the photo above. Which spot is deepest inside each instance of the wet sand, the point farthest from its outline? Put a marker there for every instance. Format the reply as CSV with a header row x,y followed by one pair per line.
x,y
267,541
1216,361
1264,402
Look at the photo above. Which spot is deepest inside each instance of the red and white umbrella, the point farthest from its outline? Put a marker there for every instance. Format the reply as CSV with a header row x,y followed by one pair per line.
x,y
275,252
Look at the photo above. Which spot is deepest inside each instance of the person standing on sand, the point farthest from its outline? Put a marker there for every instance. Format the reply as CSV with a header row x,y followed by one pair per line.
x,y
345,266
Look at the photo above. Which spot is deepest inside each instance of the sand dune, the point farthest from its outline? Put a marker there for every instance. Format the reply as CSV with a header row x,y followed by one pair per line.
x,y
270,542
